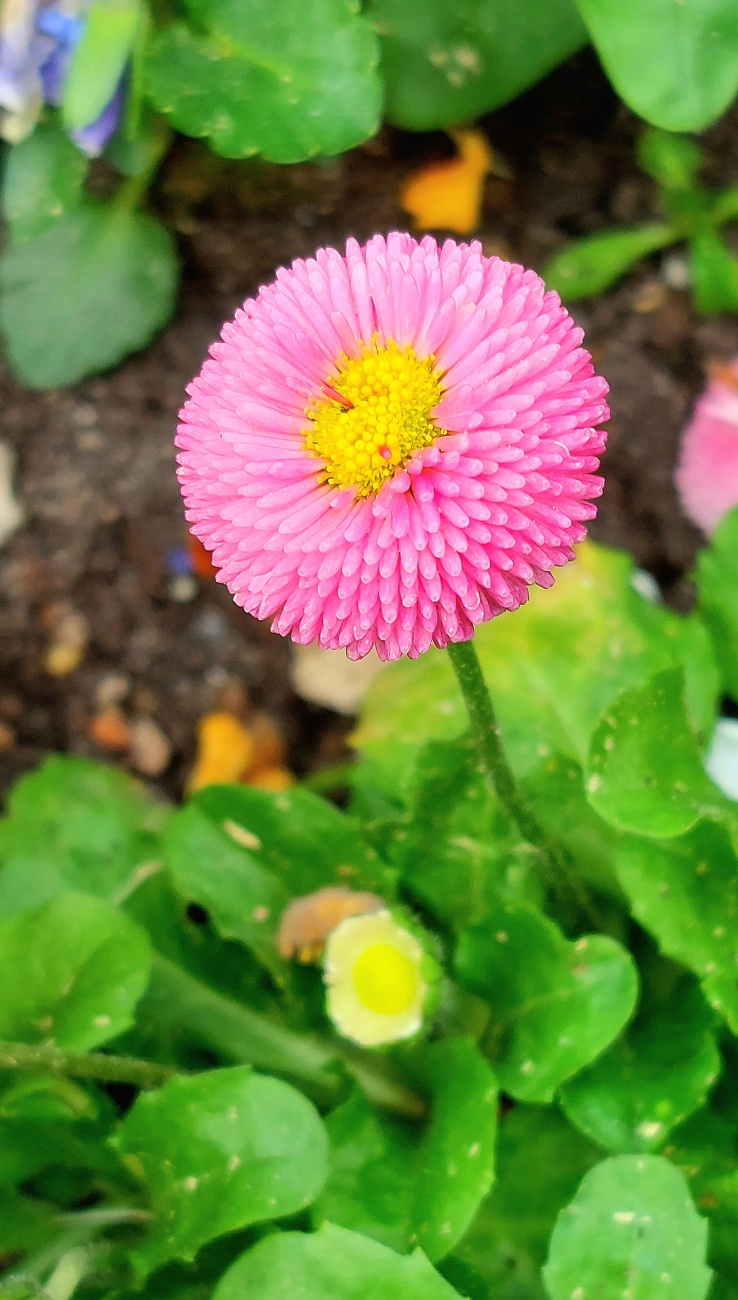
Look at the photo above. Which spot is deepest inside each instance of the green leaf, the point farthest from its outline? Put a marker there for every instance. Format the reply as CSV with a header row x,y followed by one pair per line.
x,y
78,297
179,1004
645,769
631,1233
685,892
446,63
25,1224
75,824
220,1151
278,80
704,1148
553,667
98,60
331,1265
717,586
244,899
555,1005
540,1161
714,273
299,837
46,1121
71,972
42,181
556,792
458,851
590,265
651,1079
672,160
676,65
408,1187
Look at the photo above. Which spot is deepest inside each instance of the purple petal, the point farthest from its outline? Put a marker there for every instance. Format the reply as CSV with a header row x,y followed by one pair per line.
x,y
92,139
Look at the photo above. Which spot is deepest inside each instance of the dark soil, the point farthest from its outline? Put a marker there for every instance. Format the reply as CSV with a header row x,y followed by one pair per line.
x,y
96,462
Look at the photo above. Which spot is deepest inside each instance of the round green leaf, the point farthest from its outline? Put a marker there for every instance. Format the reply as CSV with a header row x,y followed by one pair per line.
x,y
78,297
459,851
75,824
555,1005
717,586
540,1162
280,80
685,892
409,1186
675,64
302,840
631,1233
43,180
645,769
244,899
651,1079
446,63
331,1265
71,973
590,265
219,1151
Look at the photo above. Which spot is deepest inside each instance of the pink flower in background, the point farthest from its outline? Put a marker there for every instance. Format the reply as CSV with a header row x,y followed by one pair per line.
x,y
388,448
707,473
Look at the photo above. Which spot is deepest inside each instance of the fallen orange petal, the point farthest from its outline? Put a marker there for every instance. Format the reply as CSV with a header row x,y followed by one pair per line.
x,y
110,730
224,751
200,559
448,195
272,778
268,745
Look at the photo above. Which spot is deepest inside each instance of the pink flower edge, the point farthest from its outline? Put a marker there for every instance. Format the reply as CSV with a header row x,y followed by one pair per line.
x,y
460,533
707,472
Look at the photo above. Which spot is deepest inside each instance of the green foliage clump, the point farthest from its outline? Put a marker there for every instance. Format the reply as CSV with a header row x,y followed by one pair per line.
x,y
179,1118
85,281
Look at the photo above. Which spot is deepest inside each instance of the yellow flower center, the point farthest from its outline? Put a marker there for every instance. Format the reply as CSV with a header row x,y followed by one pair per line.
x,y
386,980
375,414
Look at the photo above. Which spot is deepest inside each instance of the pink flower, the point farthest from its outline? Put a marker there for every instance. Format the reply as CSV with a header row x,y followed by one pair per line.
x,y
387,448
707,473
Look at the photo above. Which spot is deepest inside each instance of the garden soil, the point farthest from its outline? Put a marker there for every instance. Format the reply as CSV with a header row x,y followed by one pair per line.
x,y
96,462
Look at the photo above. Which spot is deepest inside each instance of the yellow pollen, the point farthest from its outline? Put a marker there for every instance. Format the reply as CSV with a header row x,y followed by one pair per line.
x,y
375,414
386,980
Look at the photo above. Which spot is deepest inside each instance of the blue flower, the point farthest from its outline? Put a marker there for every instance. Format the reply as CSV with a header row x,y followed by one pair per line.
x,y
37,41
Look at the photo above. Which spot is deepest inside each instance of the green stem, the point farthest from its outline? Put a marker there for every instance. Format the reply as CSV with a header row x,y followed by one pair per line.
x,y
486,730
83,1065
182,1002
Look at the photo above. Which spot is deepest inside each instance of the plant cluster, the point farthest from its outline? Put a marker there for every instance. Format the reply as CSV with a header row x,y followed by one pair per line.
x,y
565,1121
284,83
690,213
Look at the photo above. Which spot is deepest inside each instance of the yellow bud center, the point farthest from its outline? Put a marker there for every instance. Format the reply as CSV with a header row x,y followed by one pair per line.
x,y
386,980
375,414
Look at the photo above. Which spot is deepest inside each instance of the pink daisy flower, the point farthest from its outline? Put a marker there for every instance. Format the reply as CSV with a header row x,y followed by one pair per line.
x,y
388,448
707,473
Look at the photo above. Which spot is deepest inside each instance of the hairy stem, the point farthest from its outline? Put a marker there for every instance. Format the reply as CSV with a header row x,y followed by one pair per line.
x,y
554,859
83,1065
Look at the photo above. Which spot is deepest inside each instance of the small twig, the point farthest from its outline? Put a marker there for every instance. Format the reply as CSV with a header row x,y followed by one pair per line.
x,y
84,1065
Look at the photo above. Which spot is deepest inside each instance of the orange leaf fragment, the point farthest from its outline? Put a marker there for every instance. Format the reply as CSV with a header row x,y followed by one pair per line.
x,y
271,778
448,195
202,565
110,730
307,922
225,750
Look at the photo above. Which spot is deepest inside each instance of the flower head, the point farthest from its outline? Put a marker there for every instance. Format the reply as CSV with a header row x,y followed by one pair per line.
x,y
707,474
379,977
387,448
